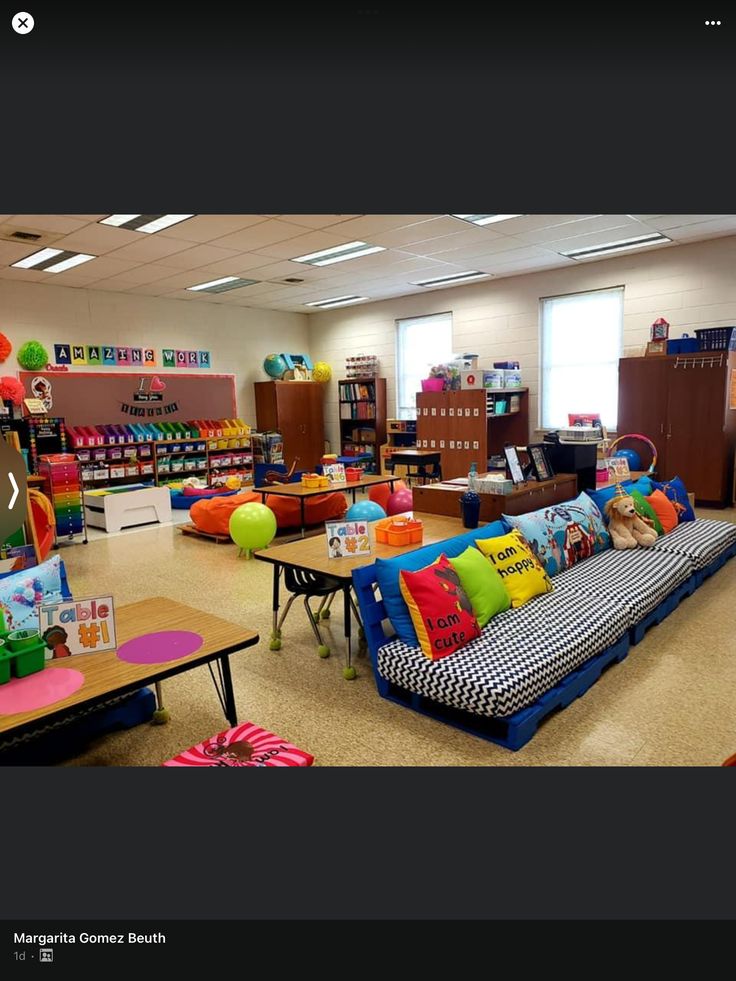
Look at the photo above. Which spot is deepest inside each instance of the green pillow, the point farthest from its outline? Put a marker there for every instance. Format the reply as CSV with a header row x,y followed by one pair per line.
x,y
482,584
645,510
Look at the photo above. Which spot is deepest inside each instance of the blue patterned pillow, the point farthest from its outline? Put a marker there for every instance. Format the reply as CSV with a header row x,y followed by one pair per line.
x,y
21,592
674,490
563,534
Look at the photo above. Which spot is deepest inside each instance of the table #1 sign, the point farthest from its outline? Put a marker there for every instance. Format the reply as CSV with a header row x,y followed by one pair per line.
x,y
85,626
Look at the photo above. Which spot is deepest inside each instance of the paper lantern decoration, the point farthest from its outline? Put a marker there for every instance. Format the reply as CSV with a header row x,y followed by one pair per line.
x,y
321,371
5,348
11,390
33,356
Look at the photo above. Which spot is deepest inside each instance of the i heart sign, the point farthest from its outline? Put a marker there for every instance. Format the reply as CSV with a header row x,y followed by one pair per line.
x,y
157,385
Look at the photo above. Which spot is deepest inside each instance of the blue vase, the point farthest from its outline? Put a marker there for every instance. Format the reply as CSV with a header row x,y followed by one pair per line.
x,y
470,509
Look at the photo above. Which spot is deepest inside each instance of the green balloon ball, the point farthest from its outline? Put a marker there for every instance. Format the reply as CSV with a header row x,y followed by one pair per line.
x,y
252,526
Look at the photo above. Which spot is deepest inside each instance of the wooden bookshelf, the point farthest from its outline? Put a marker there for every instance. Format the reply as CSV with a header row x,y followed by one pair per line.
x,y
362,410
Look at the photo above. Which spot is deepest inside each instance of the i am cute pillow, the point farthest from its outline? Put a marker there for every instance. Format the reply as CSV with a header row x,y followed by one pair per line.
x,y
519,568
440,609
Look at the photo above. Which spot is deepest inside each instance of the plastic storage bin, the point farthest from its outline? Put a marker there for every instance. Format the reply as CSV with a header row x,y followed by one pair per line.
x,y
714,338
398,533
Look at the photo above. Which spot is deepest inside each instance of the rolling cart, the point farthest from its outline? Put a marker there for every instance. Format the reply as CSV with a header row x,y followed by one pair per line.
x,y
63,474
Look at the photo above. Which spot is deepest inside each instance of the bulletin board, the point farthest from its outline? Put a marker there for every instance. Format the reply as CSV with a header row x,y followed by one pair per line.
x,y
87,398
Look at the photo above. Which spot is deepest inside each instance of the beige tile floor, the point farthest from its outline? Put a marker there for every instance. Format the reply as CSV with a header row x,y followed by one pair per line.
x,y
671,702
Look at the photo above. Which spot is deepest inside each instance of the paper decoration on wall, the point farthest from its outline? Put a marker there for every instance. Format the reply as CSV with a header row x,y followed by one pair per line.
x,y
123,355
79,354
33,356
94,354
5,348
169,357
136,356
62,354
181,359
192,359
149,357
132,357
109,355
204,359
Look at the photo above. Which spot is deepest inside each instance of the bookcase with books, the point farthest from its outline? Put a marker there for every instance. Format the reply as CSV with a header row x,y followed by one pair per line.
x,y
362,418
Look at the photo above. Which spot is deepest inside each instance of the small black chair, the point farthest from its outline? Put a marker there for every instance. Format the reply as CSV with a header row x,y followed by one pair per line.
x,y
302,582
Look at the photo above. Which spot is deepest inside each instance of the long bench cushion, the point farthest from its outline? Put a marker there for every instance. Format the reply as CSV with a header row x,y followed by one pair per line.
x,y
639,579
520,655
701,541
387,573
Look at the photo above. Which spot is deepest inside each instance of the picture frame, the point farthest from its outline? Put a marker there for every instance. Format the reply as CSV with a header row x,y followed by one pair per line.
x,y
541,467
656,349
514,464
618,468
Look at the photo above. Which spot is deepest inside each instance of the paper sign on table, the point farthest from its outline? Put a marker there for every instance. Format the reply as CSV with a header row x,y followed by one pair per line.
x,y
85,626
347,539
335,472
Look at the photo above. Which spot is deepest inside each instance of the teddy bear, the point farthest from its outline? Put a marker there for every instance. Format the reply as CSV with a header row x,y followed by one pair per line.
x,y
626,528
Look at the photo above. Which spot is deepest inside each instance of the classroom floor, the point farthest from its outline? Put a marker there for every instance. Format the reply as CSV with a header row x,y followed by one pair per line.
x,y
669,703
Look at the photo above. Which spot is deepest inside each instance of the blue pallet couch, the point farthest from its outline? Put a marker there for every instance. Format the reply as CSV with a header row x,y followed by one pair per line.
x,y
539,657
63,739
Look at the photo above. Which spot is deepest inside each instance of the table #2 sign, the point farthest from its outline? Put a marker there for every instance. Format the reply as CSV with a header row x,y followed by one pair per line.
x,y
85,626
347,539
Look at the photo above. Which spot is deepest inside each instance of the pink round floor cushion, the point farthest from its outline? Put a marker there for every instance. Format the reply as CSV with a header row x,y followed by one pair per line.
x,y
204,491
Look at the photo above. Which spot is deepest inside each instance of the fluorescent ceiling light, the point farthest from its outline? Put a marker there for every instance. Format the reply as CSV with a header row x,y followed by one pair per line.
x,y
623,245
486,219
53,260
38,257
73,260
144,223
352,250
464,277
336,301
222,285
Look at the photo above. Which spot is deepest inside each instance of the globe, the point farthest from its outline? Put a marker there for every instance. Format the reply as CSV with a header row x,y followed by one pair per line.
x,y
632,456
275,366
321,371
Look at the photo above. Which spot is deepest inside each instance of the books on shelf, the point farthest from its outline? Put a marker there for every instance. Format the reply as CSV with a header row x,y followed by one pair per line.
x,y
358,410
356,392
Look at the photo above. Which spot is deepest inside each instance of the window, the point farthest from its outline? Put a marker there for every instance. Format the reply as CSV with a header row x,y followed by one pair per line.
x,y
421,342
581,344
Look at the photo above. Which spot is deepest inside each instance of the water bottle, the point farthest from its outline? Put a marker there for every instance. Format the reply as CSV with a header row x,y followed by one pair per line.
x,y
470,509
473,477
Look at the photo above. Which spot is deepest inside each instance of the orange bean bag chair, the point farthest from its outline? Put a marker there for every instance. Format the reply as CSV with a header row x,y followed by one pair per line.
x,y
212,516
380,493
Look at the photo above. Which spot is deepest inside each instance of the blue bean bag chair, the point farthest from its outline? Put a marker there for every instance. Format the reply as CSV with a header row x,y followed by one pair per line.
x,y
183,501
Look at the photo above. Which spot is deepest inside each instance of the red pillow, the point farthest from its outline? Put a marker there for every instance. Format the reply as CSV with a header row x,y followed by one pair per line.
x,y
664,509
440,609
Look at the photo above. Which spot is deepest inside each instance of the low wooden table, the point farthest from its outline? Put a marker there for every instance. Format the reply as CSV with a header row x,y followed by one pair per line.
x,y
106,676
301,492
420,459
444,498
310,554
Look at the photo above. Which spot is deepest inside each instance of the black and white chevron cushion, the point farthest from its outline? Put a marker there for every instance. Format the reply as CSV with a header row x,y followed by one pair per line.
x,y
637,578
520,655
702,541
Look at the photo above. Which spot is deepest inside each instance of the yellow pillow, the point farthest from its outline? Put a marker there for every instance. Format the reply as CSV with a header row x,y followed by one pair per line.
x,y
519,568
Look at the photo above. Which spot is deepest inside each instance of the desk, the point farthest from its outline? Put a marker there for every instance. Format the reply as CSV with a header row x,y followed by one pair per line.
x,y
421,459
444,498
298,490
106,676
310,554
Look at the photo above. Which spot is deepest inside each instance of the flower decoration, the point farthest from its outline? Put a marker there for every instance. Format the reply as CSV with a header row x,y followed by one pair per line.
x,y
5,348
33,356
11,390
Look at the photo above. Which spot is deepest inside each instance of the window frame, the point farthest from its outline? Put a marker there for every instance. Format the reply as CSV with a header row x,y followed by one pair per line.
x,y
398,359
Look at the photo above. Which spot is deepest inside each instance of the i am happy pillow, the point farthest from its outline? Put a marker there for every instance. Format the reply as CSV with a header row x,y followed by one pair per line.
x,y
519,568
440,609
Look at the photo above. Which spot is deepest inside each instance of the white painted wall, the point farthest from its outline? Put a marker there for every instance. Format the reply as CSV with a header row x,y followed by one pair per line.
x,y
238,337
689,285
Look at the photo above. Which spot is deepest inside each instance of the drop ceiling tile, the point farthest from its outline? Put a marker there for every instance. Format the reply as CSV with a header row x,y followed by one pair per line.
x,y
362,228
466,253
13,251
200,255
304,244
24,275
205,228
664,222
180,281
139,275
576,229
97,239
420,231
245,265
604,237
61,224
257,237
150,248
726,225
114,285
456,237
529,223
87,217
496,260
315,221
101,268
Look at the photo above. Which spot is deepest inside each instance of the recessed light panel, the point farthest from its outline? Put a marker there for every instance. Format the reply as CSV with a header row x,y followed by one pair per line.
x,y
610,248
222,285
452,280
340,253
53,260
486,219
335,301
144,223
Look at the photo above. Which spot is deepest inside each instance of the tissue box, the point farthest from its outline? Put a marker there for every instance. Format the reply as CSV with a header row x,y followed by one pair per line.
x,y
490,485
493,379
511,378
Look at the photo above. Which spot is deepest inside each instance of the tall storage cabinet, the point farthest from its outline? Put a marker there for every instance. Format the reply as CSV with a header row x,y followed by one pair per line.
x,y
686,404
296,410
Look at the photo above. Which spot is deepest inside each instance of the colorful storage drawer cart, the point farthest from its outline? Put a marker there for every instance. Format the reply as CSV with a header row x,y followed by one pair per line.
x,y
64,478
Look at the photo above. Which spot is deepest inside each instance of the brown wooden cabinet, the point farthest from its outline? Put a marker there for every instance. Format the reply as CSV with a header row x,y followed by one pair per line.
x,y
467,427
686,405
296,410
